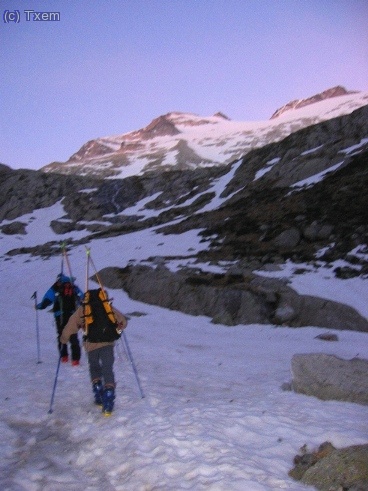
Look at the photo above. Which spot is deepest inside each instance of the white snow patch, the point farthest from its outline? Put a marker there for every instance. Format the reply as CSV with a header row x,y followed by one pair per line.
x,y
316,177
353,148
312,150
266,169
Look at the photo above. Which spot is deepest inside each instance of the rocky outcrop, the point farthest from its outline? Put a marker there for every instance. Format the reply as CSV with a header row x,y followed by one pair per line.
x,y
22,191
161,126
332,469
190,294
304,153
330,378
14,228
90,149
231,299
292,309
4,168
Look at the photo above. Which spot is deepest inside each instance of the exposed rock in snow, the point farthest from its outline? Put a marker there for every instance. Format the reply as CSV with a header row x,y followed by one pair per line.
x,y
329,377
332,469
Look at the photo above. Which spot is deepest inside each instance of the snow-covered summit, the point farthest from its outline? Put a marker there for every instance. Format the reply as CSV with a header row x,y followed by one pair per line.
x,y
179,140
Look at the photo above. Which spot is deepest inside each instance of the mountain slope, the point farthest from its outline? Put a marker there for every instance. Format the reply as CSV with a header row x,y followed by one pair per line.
x,y
301,200
187,141
311,185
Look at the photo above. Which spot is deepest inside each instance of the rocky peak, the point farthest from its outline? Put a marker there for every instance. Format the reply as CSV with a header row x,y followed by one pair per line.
x,y
161,126
92,148
219,114
298,103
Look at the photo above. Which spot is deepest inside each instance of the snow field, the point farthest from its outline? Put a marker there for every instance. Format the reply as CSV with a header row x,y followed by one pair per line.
x,y
214,416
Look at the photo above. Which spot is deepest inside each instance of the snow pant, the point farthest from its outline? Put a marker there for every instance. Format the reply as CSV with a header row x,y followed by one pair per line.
x,y
74,341
101,362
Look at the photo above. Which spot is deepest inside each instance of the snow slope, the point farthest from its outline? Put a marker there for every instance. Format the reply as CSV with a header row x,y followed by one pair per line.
x,y
213,417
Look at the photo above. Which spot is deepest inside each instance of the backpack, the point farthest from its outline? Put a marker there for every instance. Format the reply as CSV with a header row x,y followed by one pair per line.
x,y
65,299
99,319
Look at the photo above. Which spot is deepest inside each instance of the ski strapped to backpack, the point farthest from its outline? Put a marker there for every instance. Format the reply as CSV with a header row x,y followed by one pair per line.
x,y
99,319
68,298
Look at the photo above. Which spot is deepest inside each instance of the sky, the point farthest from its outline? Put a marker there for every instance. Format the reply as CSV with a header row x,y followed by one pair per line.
x,y
107,68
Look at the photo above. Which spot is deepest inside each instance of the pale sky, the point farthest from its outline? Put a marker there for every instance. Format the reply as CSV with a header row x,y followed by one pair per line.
x,y
107,68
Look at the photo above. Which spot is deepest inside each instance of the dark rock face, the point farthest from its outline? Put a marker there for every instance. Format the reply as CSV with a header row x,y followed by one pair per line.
x,y
23,191
269,221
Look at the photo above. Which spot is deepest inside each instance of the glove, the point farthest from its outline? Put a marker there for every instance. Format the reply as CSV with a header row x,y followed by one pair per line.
x,y
120,328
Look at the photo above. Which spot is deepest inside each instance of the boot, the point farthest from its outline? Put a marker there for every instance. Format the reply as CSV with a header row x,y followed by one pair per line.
x,y
108,398
97,390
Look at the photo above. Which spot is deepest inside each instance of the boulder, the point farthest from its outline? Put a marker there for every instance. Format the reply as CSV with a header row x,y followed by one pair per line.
x,y
331,469
62,227
330,378
317,231
14,228
288,239
327,336
309,310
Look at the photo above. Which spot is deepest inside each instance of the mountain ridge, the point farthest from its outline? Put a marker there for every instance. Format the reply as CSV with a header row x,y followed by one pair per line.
x,y
336,91
209,141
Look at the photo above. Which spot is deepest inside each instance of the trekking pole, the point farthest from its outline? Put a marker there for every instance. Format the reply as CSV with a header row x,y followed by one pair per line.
x,y
54,388
133,364
37,329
